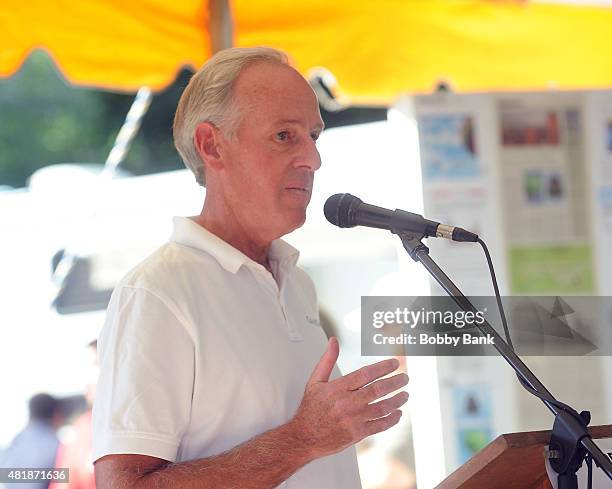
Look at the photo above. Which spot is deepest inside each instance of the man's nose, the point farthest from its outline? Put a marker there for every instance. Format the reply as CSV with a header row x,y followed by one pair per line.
x,y
308,156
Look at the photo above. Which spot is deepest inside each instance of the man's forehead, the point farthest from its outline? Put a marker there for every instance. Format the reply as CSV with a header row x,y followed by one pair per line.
x,y
261,76
278,88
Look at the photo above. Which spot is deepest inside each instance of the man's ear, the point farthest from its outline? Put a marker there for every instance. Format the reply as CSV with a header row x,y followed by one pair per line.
x,y
207,140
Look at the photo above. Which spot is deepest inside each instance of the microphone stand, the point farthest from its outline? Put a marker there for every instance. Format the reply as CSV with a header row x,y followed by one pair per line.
x,y
570,441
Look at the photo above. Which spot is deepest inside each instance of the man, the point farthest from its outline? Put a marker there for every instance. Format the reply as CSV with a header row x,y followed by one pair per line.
x,y
210,358
36,445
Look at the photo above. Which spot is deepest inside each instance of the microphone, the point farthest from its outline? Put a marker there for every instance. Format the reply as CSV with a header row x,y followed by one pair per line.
x,y
347,211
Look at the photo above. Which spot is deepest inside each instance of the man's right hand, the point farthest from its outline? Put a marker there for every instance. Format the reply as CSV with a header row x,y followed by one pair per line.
x,y
336,414
332,416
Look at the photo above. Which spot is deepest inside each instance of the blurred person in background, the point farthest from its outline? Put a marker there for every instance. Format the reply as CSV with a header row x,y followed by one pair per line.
x,y
75,451
36,445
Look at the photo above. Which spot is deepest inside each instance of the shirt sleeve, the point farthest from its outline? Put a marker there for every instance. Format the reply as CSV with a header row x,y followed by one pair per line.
x,y
145,388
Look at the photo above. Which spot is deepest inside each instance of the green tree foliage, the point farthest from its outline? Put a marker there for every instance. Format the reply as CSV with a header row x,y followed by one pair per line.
x,y
44,121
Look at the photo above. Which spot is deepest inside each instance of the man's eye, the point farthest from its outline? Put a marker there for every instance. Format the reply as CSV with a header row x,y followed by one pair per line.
x,y
282,136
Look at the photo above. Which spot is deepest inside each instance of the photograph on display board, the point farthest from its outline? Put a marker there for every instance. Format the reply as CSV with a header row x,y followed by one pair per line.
x,y
473,419
543,187
529,127
559,269
448,148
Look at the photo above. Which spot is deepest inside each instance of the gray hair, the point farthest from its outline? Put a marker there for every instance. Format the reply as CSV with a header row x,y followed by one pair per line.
x,y
209,98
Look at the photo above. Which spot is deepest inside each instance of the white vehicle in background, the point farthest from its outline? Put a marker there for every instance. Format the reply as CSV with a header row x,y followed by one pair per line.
x,y
66,240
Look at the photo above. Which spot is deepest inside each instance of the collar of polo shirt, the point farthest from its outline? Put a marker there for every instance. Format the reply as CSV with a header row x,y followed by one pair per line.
x,y
189,233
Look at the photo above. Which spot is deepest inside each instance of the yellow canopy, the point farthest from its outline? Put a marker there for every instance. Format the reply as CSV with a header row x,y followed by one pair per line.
x,y
114,44
375,49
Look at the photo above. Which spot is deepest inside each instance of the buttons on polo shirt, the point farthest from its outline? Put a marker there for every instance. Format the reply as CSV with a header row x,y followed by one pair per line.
x,y
294,333
277,293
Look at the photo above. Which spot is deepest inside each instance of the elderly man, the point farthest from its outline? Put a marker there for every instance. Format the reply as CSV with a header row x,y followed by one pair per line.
x,y
211,366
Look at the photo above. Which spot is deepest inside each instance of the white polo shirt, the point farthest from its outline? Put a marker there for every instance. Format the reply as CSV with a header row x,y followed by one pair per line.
x,y
202,350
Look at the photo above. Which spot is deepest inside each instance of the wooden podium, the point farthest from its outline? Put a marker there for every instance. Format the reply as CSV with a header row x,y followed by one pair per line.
x,y
512,461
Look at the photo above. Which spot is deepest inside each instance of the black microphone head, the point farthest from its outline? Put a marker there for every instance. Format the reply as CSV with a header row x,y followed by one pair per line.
x,y
338,209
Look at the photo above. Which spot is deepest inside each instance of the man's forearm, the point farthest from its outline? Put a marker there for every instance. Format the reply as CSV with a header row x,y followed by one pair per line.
x,y
260,463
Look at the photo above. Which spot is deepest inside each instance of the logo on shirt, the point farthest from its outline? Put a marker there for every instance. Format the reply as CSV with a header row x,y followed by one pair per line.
x,y
313,320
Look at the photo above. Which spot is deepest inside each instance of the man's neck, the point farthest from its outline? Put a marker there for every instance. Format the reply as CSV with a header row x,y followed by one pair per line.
x,y
236,237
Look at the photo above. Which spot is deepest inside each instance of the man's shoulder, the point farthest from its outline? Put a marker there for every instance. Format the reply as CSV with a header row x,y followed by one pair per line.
x,y
165,265
159,280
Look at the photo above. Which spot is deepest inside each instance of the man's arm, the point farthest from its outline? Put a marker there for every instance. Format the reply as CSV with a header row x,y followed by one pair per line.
x,y
262,462
332,416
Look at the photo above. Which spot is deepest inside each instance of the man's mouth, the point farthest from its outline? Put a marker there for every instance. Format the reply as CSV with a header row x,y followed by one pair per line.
x,y
303,189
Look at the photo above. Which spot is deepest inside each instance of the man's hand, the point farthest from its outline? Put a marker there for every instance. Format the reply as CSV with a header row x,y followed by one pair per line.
x,y
334,415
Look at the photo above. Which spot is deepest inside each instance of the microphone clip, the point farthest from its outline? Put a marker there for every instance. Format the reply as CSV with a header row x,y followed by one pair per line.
x,y
412,243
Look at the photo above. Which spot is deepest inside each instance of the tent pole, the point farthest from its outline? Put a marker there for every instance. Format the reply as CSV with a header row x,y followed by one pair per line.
x,y
220,25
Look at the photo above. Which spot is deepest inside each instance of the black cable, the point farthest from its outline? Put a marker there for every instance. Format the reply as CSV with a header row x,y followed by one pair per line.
x,y
500,306
589,462
524,383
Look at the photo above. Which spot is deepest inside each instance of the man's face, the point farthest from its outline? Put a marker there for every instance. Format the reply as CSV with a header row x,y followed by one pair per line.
x,y
270,162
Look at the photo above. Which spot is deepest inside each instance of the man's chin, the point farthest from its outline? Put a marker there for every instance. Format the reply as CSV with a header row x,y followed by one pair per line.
x,y
294,220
